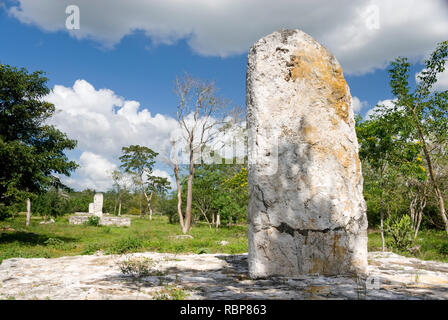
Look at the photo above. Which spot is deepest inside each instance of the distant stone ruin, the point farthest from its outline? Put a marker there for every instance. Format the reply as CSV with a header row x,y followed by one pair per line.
x,y
96,209
306,208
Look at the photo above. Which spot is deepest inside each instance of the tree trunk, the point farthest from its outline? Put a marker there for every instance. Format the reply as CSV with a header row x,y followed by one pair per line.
x,y
119,208
218,221
189,201
179,196
140,204
442,207
148,203
419,221
149,206
382,221
416,207
205,216
28,212
189,187
116,201
437,192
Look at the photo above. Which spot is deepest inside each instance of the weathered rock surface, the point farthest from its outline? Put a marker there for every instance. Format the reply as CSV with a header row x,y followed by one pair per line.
x,y
306,209
214,276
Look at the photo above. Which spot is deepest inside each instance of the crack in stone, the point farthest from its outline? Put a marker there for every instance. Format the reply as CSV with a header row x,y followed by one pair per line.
x,y
265,202
285,228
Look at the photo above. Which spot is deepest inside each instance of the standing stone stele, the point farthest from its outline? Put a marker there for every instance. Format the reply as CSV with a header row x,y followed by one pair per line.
x,y
98,204
308,215
91,210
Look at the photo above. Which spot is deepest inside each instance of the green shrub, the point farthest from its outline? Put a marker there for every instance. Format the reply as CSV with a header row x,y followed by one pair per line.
x,y
106,230
137,267
90,248
93,221
54,243
203,250
443,248
133,211
125,245
400,229
171,292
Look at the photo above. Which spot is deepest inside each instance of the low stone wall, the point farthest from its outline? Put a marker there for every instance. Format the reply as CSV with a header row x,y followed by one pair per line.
x,y
78,219
104,221
115,221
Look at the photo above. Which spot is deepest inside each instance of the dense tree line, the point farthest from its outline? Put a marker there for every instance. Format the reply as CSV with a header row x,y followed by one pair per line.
x,y
403,149
31,151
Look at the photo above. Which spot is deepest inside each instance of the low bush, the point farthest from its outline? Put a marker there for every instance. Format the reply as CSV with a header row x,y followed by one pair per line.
x,y
443,248
90,248
401,231
93,221
54,243
137,267
129,244
171,292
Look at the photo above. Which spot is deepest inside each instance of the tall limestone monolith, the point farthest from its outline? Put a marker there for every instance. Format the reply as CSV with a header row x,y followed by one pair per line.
x,y
306,210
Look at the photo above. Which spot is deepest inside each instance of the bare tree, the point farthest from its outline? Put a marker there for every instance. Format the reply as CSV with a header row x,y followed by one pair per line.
x,y
200,114
172,160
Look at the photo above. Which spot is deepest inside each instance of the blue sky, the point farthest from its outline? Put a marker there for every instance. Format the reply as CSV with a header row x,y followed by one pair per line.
x,y
138,61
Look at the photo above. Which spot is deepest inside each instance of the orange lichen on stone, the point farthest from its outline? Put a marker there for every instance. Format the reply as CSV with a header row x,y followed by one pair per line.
x,y
310,134
358,163
342,157
317,65
338,250
318,266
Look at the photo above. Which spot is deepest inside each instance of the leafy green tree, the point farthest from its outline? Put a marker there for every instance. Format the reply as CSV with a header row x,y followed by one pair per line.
x,y
139,161
377,145
220,190
53,202
388,150
427,110
31,151
156,185
206,189
233,198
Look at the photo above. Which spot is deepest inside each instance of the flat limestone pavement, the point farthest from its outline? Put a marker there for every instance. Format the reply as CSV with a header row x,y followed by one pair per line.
x,y
306,209
214,276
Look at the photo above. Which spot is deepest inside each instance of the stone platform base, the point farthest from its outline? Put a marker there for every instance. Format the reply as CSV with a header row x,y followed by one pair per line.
x,y
214,277
104,220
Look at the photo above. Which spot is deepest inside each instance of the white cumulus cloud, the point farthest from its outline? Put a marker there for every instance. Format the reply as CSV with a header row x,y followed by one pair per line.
x,y
358,104
363,34
388,103
103,123
442,80
94,172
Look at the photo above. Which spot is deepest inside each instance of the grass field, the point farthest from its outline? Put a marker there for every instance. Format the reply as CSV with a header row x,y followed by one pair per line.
x,y
433,245
61,239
